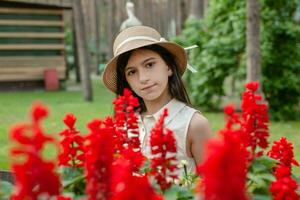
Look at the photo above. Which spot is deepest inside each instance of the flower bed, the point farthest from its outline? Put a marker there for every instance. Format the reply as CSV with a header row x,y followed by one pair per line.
x,y
107,162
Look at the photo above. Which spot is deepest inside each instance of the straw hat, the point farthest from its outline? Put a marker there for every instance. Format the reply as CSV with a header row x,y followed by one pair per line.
x,y
136,37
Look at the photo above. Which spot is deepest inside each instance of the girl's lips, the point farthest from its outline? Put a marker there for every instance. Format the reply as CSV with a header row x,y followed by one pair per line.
x,y
148,87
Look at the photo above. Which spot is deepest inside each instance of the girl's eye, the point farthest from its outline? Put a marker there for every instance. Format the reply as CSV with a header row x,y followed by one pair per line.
x,y
150,64
131,72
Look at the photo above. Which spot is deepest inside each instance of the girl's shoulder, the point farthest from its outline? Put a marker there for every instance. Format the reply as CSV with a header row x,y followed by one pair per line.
x,y
199,128
198,122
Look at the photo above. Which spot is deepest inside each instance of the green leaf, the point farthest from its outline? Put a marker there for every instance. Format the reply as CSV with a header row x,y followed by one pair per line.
x,y
171,193
261,197
256,179
6,189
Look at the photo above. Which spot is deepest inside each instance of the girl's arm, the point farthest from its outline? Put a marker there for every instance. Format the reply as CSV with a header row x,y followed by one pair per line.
x,y
198,133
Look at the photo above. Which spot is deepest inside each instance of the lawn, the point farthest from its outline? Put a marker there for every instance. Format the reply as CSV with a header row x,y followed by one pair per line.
x,y
16,105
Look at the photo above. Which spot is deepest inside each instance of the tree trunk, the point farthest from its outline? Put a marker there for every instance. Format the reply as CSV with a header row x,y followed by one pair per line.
x,y
205,6
253,44
82,50
97,34
196,9
110,26
75,52
183,16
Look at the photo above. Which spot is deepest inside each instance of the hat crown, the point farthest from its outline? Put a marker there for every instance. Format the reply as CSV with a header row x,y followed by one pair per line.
x,y
132,34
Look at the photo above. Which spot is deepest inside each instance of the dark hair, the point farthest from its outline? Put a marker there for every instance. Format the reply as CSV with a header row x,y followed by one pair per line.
x,y
175,84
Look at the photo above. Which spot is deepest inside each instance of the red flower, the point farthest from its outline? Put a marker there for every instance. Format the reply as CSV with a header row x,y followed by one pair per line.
x,y
34,177
99,150
129,186
284,188
253,86
232,118
70,120
229,109
72,144
163,150
224,168
63,198
136,158
255,120
282,151
38,112
127,133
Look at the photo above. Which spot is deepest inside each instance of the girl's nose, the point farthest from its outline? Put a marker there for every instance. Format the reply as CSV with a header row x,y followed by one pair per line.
x,y
144,78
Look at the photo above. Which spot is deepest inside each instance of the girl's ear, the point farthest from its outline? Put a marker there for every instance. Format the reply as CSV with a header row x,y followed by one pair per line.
x,y
170,71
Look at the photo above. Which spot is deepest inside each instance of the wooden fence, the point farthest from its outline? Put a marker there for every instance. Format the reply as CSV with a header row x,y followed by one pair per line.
x,y
31,40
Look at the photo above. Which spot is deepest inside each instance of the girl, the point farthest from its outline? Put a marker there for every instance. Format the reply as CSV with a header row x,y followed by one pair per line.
x,y
152,68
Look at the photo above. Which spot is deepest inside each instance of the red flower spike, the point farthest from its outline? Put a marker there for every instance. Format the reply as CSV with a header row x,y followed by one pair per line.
x,y
136,158
34,177
127,133
229,109
284,187
63,198
70,120
163,150
253,86
282,151
38,112
72,144
99,151
232,119
255,120
224,168
125,183
95,124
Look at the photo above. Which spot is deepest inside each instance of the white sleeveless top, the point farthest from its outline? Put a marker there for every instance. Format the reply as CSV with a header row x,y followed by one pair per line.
x,y
178,120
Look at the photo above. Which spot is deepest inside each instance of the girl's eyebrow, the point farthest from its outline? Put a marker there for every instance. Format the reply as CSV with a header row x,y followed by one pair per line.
x,y
128,68
142,63
151,58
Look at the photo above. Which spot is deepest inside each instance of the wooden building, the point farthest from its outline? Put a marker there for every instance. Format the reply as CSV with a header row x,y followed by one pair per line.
x,y
31,39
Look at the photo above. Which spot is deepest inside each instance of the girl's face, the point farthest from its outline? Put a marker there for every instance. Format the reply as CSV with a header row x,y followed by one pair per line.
x,y
147,74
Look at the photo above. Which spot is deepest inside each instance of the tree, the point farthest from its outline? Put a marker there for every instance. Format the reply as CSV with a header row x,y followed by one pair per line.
x,y
196,9
253,41
220,36
82,50
97,24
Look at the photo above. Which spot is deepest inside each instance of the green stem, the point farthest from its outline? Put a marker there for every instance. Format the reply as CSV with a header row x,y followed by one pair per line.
x,y
75,180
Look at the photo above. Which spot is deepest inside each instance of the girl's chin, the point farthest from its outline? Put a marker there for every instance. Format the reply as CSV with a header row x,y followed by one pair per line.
x,y
149,98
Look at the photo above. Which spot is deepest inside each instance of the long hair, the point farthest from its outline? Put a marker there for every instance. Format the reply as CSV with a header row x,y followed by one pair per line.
x,y
175,84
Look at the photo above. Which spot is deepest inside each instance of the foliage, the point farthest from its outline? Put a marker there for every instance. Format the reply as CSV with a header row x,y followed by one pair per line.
x,y
221,40
220,36
280,57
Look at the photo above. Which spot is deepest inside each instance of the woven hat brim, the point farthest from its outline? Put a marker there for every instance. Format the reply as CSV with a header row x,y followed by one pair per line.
x,y
110,73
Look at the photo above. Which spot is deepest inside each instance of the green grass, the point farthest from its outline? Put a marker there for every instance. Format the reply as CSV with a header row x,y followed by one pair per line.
x,y
15,107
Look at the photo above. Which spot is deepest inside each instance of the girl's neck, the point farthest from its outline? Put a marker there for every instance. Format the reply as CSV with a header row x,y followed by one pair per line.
x,y
156,105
